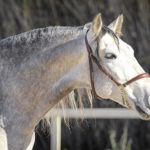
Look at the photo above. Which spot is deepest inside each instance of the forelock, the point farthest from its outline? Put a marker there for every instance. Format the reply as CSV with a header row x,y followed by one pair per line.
x,y
105,30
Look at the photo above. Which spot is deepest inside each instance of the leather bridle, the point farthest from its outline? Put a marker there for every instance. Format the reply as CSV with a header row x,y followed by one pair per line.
x,y
101,68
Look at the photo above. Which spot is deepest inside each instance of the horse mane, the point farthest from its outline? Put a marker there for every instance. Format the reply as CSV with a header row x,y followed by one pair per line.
x,y
47,34
19,48
77,99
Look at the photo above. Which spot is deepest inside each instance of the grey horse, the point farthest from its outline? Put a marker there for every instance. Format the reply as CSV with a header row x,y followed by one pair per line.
x,y
40,67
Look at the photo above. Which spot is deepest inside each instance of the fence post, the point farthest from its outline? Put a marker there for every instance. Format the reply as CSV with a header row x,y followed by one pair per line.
x,y
56,134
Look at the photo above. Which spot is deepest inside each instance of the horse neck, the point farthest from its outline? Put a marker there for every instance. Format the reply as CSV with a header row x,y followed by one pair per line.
x,y
70,63
67,69
40,80
49,76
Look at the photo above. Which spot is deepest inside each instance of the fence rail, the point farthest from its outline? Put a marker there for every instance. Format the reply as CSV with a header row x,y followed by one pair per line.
x,y
95,113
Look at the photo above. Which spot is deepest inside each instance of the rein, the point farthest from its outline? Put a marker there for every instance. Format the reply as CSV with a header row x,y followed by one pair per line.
x,y
101,68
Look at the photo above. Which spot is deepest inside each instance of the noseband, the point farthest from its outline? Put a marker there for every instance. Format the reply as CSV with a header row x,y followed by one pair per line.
x,y
101,68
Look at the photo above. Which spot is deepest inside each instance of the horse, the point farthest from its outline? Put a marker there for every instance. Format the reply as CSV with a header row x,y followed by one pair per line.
x,y
40,67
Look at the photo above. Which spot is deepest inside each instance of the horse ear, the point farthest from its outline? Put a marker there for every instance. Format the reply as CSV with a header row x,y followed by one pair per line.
x,y
97,25
116,25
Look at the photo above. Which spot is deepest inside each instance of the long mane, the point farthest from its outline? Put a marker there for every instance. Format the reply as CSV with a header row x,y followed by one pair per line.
x,y
77,99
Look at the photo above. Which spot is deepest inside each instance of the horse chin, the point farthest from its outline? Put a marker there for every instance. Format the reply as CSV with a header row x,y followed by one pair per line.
x,y
142,113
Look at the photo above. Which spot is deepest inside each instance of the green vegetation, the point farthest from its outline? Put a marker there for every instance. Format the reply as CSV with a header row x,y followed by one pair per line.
x,y
123,143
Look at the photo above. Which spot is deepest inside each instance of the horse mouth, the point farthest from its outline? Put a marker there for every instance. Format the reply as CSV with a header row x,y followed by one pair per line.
x,y
142,113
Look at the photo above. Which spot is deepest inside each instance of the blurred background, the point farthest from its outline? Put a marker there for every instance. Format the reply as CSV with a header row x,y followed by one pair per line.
x,y
18,16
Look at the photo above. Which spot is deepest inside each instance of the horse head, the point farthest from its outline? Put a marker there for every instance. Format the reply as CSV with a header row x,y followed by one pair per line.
x,y
116,74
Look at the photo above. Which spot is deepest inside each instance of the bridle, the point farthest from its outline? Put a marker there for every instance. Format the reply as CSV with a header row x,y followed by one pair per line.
x,y
101,68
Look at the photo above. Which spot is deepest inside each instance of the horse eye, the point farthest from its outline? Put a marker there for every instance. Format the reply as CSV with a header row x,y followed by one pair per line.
x,y
110,56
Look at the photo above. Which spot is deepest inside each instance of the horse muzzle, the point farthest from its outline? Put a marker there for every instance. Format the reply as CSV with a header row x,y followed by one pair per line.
x,y
144,112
